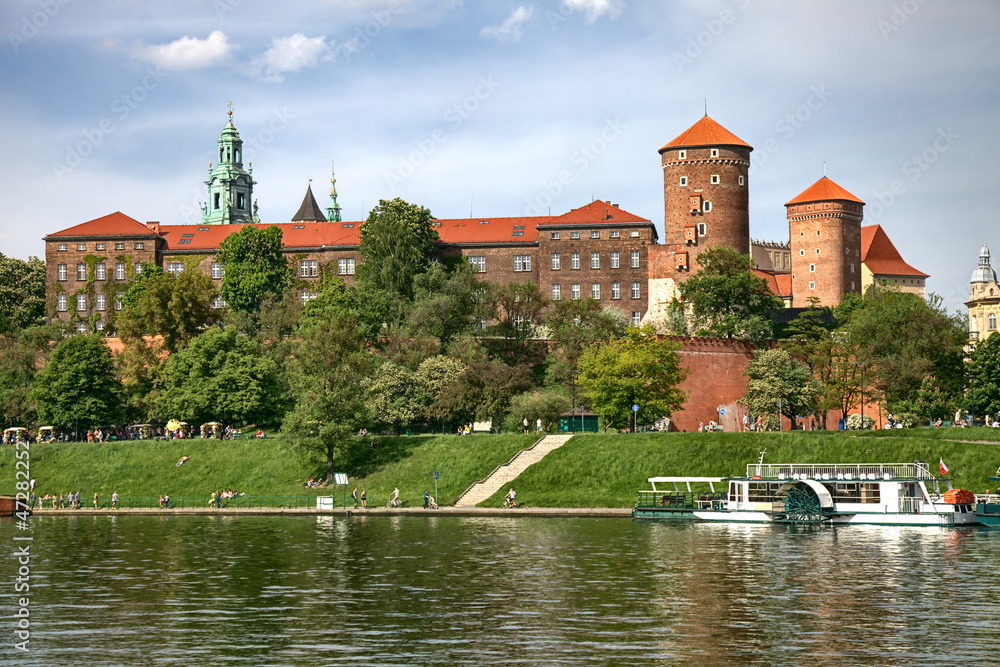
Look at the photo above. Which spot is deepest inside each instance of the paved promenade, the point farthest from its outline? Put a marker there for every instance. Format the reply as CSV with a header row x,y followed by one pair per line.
x,y
350,511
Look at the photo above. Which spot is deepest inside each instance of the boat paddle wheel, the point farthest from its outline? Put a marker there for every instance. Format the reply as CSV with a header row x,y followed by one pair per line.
x,y
802,504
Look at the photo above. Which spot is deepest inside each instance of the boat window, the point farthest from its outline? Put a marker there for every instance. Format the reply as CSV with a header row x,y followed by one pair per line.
x,y
762,492
854,492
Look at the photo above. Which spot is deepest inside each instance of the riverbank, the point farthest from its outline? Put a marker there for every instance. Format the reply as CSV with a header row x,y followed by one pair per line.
x,y
604,512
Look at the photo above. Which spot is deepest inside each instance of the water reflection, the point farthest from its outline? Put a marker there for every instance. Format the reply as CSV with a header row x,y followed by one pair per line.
x,y
449,591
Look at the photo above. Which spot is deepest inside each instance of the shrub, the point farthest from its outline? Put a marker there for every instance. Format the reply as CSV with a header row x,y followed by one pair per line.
x,y
854,422
909,419
771,423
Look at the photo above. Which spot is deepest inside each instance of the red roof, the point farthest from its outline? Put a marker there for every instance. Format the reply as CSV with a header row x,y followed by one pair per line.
x,y
489,230
114,224
881,257
596,212
293,235
780,284
706,132
823,190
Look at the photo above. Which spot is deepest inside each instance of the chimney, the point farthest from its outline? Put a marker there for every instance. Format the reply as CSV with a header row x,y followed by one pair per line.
x,y
153,226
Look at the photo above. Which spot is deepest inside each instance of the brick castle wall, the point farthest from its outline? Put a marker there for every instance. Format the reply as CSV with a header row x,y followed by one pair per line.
x,y
826,251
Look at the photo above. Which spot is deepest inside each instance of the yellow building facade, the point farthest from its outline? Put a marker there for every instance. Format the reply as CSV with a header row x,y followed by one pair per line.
x,y
984,300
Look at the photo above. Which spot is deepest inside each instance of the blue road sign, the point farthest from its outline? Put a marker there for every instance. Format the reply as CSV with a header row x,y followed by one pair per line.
x,y
435,474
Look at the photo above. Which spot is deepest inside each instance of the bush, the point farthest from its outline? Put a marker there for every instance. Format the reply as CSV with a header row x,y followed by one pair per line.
x,y
909,419
547,404
771,423
854,423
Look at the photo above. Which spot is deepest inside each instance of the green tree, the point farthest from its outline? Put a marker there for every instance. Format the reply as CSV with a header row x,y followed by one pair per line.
x,y
984,377
483,391
78,382
21,356
811,341
544,404
335,300
394,396
574,324
773,376
255,267
933,402
397,242
639,369
726,299
22,293
515,308
444,304
176,308
221,376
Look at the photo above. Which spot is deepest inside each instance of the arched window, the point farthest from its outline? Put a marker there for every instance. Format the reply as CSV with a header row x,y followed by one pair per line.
x,y
991,322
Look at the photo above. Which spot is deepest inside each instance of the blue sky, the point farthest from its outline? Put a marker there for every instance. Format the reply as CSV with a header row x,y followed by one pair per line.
x,y
504,108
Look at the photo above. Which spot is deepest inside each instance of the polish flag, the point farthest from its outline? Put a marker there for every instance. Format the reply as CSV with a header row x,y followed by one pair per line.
x,y
943,467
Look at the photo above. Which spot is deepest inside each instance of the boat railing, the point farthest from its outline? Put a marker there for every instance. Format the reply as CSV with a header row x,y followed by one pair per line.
x,y
909,505
679,500
839,471
988,498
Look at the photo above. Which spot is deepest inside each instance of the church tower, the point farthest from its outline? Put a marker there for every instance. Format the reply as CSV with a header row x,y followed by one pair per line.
x,y
706,196
230,186
333,208
984,300
824,225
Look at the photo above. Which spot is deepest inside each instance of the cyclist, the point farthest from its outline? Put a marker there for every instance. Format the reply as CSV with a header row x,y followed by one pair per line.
x,y
394,497
511,497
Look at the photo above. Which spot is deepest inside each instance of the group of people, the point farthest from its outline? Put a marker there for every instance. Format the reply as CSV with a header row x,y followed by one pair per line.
x,y
527,426
216,498
363,498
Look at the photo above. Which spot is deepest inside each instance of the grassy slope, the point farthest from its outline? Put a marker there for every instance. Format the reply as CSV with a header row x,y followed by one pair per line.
x,y
589,471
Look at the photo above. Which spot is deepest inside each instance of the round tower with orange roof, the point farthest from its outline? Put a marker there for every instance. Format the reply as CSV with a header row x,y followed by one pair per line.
x,y
824,223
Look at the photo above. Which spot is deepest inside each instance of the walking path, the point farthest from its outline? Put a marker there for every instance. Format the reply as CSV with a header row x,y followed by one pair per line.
x,y
502,475
623,512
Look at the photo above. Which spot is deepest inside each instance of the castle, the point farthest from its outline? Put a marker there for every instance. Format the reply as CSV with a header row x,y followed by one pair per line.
x,y
597,250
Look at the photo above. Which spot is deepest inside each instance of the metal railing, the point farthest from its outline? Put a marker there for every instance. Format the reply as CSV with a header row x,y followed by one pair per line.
x,y
839,471
910,505
238,502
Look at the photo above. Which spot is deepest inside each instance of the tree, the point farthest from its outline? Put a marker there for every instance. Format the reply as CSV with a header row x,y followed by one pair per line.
x,y
726,299
444,303
811,341
78,383
638,369
984,377
255,267
397,242
545,404
515,308
174,307
574,324
394,396
21,356
221,376
773,376
22,293
483,391
335,300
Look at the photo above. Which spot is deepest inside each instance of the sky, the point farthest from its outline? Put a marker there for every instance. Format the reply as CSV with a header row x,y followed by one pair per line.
x,y
491,109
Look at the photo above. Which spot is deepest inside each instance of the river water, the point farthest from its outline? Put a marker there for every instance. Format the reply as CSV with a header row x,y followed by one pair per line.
x,y
221,590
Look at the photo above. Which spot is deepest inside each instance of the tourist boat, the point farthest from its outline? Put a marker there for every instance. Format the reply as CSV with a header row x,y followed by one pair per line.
x,y
988,506
902,494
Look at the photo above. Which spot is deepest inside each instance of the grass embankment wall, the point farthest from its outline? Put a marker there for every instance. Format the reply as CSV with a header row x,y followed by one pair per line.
x,y
593,470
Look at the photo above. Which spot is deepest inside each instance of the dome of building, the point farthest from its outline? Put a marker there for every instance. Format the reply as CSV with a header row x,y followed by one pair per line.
x,y
984,273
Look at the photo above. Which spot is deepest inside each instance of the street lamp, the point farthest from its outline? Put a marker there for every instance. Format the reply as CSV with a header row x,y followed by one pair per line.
x,y
572,379
444,371
972,397
861,365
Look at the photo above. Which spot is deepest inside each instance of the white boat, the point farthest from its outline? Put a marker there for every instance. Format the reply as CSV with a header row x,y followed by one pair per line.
x,y
898,494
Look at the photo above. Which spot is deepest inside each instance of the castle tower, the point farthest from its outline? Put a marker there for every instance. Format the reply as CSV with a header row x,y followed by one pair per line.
x,y
309,210
333,208
705,194
230,186
824,225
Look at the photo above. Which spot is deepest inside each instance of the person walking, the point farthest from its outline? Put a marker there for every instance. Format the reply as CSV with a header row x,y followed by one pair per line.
x,y
525,424
746,423
95,500
354,497
427,499
364,497
538,426
114,500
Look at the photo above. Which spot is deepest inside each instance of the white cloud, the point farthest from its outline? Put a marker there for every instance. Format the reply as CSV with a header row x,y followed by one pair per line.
x,y
290,54
187,52
510,30
595,9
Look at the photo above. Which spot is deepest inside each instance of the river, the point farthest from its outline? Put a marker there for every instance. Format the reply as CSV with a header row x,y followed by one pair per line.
x,y
297,590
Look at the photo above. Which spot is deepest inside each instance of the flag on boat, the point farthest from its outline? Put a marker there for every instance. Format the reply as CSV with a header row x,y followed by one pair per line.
x,y
944,468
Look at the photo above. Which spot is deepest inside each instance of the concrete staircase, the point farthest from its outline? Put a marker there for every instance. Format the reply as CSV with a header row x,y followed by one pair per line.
x,y
504,474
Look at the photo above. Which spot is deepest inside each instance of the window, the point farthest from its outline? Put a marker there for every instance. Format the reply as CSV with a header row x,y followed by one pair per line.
x,y
595,290
634,234
802,253
635,290
852,285
307,295
99,246
991,322
684,181
613,234
61,302
61,247
595,260
175,268
218,271
574,291
706,207
478,264
554,236
634,259
239,200
81,247
101,271
102,302
616,290
715,179
574,235
100,325
702,229
517,233
61,272
682,155
852,268
714,152
345,266
522,262
81,272
555,261
118,300
556,292
595,234
139,245
219,302
741,180
307,268
298,226
81,302
812,268
574,260
184,242
812,285
216,201
120,245
203,229
636,318
817,251
614,260
81,327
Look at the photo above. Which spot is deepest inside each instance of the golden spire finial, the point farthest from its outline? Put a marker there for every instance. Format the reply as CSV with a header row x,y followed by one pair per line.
x,y
230,111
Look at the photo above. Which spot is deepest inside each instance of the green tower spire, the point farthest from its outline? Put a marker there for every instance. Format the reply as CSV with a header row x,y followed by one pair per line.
x,y
333,208
230,186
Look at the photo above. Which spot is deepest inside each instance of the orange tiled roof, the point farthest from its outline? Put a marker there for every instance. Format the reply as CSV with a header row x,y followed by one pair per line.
x,y
780,284
823,190
297,235
596,212
489,230
881,257
114,224
706,132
